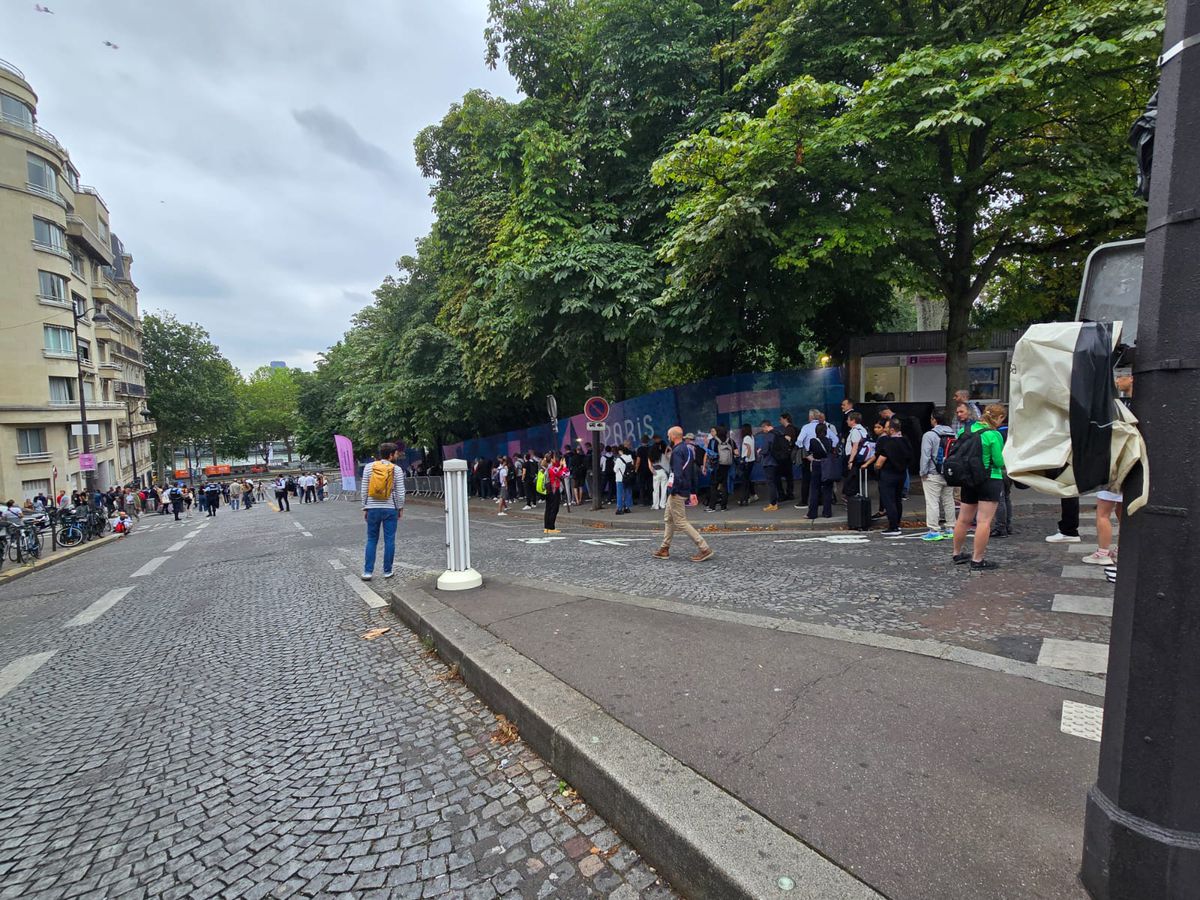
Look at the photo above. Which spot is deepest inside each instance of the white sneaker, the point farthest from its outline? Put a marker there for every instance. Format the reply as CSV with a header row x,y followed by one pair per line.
x,y
526,506
366,576
1059,538
502,513
388,574
1098,558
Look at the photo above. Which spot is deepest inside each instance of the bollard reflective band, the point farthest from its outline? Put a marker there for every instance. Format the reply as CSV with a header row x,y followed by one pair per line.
x,y
1169,55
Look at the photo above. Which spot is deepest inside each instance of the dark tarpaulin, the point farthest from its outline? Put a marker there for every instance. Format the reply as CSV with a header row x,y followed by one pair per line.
x,y
1092,411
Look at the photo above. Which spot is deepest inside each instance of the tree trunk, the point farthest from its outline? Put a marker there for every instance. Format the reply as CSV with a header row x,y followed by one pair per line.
x,y
288,443
958,343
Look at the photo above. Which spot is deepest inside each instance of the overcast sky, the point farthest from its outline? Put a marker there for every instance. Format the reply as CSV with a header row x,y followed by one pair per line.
x,y
256,157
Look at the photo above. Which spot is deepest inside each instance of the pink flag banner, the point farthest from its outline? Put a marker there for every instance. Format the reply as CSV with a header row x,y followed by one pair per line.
x,y
345,455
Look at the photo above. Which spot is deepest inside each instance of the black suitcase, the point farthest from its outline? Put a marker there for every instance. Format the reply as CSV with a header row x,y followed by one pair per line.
x,y
858,508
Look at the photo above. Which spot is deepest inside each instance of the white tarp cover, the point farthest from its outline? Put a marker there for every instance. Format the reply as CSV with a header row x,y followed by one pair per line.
x,y
1039,448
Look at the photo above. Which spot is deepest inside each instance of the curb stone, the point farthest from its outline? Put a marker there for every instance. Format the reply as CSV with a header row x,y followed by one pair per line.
x,y
61,556
705,842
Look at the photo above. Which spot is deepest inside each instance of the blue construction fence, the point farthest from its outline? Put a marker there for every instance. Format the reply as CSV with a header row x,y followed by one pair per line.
x,y
731,400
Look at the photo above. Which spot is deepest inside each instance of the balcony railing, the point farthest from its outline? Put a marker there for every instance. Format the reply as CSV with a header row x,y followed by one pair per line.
x,y
88,189
34,129
33,457
117,313
124,350
9,67
50,248
129,388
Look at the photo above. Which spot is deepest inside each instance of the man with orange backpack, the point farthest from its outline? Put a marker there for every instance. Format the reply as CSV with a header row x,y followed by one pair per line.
x,y
382,505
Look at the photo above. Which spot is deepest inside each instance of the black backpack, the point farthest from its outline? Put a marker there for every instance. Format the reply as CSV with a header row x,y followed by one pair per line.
x,y
964,465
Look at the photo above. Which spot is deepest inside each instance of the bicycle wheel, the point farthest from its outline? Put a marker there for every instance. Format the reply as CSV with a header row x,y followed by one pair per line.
x,y
36,544
14,549
70,535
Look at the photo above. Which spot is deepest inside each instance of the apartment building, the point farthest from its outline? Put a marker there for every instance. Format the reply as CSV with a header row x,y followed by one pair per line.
x,y
69,324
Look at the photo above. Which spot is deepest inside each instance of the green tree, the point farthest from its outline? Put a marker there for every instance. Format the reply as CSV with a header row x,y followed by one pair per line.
x,y
930,142
268,404
188,383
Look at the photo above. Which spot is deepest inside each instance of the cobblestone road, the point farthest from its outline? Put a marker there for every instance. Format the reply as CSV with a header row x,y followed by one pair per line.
x,y
223,729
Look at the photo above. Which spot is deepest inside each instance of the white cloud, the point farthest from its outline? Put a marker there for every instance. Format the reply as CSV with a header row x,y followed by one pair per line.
x,y
256,157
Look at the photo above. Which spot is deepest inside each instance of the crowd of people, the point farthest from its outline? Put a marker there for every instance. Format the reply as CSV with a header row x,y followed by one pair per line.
x,y
816,466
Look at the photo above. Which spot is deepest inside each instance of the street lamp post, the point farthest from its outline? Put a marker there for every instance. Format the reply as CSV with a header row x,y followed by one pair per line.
x,y
1142,826
97,316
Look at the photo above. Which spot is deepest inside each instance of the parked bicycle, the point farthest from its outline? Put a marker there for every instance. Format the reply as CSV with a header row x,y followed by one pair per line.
x,y
25,541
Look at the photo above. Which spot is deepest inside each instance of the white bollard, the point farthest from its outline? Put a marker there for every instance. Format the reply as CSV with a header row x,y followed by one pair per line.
x,y
459,576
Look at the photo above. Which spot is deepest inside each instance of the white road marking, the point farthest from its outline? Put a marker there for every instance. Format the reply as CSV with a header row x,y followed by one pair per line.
x,y
829,539
1078,656
21,668
337,564
175,547
611,542
150,566
359,587
99,608
298,526
1085,606
1085,572
1081,720
190,534
306,533
541,540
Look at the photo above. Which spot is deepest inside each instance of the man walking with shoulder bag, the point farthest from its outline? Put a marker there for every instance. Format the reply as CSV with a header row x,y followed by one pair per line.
x,y
681,486
382,504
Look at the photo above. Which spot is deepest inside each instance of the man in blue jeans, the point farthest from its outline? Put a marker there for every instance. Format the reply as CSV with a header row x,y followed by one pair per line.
x,y
382,504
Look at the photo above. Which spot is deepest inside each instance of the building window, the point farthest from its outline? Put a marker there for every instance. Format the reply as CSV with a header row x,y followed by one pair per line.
x,y
41,175
31,441
72,441
89,390
102,229
30,489
107,426
59,340
63,390
85,350
49,235
80,304
14,110
52,286
72,177
78,265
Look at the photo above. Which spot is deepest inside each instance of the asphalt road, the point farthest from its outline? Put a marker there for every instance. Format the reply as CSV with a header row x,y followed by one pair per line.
x,y
193,711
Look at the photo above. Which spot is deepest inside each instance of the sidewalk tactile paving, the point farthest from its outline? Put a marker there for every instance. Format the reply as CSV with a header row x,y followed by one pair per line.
x,y
1082,720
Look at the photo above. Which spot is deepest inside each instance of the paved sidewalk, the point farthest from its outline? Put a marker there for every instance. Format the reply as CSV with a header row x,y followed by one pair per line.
x,y
924,777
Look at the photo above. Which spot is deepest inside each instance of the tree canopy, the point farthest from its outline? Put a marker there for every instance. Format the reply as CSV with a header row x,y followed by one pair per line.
x,y
691,188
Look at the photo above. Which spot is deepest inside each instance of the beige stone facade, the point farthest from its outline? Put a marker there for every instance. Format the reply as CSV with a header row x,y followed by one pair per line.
x,y
65,288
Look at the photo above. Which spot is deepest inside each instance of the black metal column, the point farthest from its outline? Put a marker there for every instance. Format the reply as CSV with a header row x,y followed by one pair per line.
x,y
1142,826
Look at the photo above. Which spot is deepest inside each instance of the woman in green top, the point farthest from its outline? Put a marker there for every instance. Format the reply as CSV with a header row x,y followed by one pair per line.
x,y
979,504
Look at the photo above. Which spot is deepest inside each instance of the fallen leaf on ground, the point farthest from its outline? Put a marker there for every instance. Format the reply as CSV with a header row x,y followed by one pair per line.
x,y
374,633
506,731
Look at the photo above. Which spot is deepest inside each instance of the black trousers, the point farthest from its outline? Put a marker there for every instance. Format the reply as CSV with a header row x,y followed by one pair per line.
x,y
1069,523
891,492
719,488
177,508
645,486
819,492
281,498
806,480
551,514
787,470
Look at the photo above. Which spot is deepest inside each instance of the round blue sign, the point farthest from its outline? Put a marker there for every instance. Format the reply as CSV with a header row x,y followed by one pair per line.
x,y
596,409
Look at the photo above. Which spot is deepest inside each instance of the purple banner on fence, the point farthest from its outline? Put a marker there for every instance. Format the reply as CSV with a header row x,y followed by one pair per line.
x,y
345,455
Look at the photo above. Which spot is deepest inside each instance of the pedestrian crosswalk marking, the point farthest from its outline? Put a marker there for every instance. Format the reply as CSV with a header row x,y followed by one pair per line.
x,y
298,526
1085,606
1081,720
337,564
306,533
1085,572
1078,656
174,547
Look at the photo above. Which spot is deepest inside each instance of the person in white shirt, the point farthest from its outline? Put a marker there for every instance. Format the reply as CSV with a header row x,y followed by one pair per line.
x,y
748,458
502,475
281,494
11,511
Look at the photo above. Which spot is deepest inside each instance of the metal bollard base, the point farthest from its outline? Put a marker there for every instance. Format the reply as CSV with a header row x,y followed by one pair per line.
x,y
459,581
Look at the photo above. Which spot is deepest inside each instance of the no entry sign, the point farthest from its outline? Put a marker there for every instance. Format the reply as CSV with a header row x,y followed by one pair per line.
x,y
596,409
